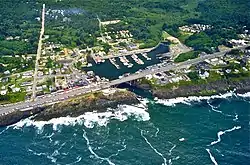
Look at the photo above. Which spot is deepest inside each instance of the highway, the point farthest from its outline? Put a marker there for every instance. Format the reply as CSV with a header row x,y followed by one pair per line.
x,y
57,97
39,52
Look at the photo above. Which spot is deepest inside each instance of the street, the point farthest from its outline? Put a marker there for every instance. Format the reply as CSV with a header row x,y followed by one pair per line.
x,y
39,52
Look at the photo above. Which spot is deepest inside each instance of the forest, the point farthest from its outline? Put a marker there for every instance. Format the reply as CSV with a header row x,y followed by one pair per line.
x,y
78,25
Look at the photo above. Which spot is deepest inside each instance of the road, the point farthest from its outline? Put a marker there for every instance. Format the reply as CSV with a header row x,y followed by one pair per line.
x,y
39,52
53,75
57,97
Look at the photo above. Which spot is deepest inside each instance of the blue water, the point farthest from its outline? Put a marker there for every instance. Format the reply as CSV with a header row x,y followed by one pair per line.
x,y
109,71
213,131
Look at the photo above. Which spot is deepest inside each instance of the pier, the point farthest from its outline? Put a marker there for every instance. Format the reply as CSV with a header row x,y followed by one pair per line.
x,y
127,53
145,56
113,61
137,60
125,61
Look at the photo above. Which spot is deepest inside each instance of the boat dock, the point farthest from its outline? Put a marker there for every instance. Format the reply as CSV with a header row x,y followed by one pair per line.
x,y
125,61
113,61
145,56
137,60
127,53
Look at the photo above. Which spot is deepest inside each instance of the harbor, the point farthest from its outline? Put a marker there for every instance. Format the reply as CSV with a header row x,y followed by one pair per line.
x,y
114,67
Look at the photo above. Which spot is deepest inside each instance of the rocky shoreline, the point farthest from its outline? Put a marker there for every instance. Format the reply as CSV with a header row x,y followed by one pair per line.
x,y
100,101
216,87
97,101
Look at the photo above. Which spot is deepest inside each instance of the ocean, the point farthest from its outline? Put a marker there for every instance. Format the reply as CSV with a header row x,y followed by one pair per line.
x,y
182,131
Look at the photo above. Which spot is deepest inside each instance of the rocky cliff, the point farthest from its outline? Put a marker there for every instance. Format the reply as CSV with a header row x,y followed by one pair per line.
x,y
220,86
74,107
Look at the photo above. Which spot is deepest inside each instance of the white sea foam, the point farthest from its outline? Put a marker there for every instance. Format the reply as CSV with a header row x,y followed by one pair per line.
x,y
78,159
157,131
215,109
244,95
188,100
236,117
4,130
171,149
155,150
124,146
220,133
143,101
212,157
93,153
90,119
50,157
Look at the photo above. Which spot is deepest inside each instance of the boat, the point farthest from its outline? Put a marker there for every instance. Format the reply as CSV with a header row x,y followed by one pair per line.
x,y
112,61
145,56
89,65
130,65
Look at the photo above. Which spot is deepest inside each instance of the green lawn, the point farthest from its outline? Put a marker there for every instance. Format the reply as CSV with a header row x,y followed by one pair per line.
x,y
186,56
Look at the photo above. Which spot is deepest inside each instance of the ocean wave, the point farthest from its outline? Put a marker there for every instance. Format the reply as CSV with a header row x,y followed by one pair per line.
x,y
90,119
220,133
244,95
188,100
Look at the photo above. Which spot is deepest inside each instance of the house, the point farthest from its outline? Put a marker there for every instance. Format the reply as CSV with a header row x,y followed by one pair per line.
x,y
3,92
132,46
9,38
228,71
26,84
6,72
16,89
148,77
204,75
39,88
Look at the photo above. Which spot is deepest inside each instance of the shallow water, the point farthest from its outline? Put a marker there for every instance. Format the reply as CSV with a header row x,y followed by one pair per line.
x,y
195,131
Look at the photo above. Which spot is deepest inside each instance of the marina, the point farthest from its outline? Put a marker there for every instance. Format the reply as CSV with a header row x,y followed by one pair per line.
x,y
113,61
137,59
108,70
145,56
125,61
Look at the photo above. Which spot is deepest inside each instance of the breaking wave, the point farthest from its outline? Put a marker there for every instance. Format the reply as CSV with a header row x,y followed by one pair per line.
x,y
244,95
91,119
188,100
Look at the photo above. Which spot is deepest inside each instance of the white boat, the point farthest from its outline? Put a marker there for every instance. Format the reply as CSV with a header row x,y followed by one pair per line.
x,y
130,65
89,65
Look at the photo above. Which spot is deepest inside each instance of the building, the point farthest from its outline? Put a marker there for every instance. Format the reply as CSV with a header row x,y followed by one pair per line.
x,y
3,92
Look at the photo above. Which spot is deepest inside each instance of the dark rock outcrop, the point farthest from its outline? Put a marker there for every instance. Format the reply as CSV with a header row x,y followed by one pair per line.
x,y
73,107
16,116
220,86
87,103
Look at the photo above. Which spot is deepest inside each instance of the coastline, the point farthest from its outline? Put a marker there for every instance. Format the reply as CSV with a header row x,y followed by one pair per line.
x,y
208,89
92,102
100,102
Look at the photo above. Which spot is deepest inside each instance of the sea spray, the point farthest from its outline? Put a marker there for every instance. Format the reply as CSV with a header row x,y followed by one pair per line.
x,y
90,119
188,100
